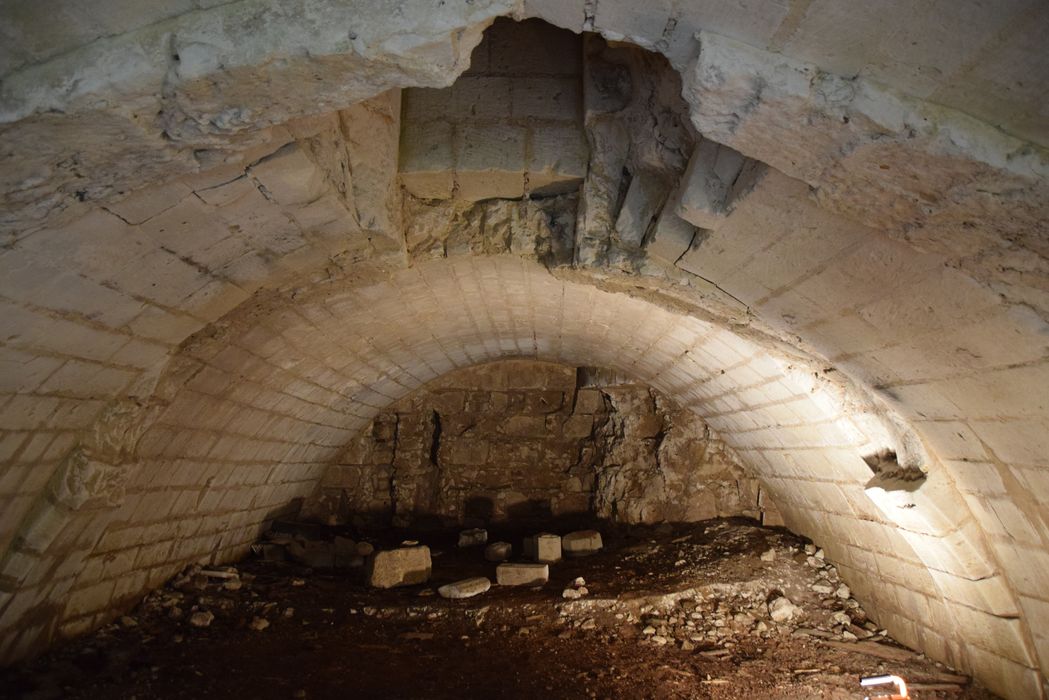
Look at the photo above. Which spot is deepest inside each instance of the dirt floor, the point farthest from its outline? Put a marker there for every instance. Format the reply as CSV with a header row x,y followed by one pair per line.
x,y
680,612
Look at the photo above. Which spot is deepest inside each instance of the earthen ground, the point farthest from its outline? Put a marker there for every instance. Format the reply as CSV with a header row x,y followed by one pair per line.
x,y
342,640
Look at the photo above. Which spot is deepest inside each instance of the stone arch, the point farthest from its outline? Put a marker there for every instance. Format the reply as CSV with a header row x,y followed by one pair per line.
x,y
255,411
904,279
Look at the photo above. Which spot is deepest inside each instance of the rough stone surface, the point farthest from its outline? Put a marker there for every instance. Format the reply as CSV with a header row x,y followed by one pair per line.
x,y
581,543
498,551
406,566
562,448
467,588
473,537
520,574
544,547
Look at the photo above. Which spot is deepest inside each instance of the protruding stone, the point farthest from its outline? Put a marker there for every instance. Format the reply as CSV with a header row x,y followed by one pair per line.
x,y
521,574
473,538
467,588
405,566
644,199
543,547
581,543
498,551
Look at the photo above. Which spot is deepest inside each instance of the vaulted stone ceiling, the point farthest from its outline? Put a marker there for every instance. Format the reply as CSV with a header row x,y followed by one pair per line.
x,y
820,225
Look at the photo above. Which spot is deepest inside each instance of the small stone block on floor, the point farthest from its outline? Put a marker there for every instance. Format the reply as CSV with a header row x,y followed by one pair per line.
x,y
498,551
520,574
467,588
473,538
543,547
404,566
581,543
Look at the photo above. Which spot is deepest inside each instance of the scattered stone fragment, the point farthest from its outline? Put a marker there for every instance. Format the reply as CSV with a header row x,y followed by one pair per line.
x,y
259,623
404,566
522,574
365,549
782,610
769,554
467,588
473,538
544,548
202,618
498,551
843,592
581,543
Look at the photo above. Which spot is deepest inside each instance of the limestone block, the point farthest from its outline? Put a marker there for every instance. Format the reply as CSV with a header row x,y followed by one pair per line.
x,y
405,566
581,543
490,161
480,97
522,574
289,176
558,158
569,14
991,594
467,588
579,426
711,172
555,99
419,105
428,160
1003,634
498,551
644,199
671,236
473,538
525,426
589,401
544,547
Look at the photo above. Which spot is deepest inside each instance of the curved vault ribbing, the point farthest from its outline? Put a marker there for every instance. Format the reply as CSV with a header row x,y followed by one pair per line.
x,y
254,411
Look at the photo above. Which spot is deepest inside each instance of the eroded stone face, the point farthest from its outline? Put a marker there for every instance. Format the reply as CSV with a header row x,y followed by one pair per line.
x,y
517,441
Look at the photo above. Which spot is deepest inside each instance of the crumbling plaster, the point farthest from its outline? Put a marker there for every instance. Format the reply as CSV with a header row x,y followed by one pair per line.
x,y
871,275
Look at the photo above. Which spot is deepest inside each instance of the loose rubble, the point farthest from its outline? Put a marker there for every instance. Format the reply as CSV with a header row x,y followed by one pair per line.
x,y
610,625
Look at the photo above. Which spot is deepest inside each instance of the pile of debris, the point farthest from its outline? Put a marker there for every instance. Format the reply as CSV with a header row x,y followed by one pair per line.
x,y
411,563
790,590
198,593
